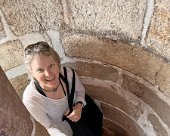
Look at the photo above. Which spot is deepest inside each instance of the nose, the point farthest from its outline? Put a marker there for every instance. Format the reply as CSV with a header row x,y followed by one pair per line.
x,y
47,73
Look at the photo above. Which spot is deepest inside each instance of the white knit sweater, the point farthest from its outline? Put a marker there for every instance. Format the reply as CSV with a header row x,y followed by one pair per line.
x,y
49,112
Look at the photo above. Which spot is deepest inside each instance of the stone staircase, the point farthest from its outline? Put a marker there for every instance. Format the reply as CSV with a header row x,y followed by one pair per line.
x,y
108,133
15,120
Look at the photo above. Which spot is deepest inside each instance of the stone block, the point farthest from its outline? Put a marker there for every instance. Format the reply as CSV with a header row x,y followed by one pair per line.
x,y
19,83
130,58
108,17
124,121
2,32
32,16
93,70
11,54
163,80
40,130
160,131
113,98
159,31
114,128
148,96
14,118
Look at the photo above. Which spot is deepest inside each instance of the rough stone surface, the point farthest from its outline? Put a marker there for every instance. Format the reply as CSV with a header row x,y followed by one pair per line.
x,y
106,132
30,16
11,54
14,118
19,83
122,120
94,70
108,17
113,98
2,32
130,58
159,33
40,130
163,80
114,128
149,97
157,125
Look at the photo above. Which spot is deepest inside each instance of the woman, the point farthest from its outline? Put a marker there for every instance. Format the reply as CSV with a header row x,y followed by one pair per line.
x,y
49,104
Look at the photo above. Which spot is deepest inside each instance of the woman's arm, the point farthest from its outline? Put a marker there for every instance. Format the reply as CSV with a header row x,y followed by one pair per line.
x,y
79,97
36,110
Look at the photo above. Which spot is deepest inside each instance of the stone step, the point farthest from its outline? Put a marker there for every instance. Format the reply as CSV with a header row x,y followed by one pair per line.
x,y
107,133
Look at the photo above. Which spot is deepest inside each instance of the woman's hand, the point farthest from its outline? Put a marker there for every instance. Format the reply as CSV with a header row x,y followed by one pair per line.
x,y
75,115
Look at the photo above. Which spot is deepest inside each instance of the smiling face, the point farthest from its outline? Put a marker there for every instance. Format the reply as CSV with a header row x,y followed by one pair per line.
x,y
46,71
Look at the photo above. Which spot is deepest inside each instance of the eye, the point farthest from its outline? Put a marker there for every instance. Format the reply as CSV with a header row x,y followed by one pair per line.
x,y
52,65
40,70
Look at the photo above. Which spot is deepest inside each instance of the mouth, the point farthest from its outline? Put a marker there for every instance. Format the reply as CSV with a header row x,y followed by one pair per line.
x,y
50,79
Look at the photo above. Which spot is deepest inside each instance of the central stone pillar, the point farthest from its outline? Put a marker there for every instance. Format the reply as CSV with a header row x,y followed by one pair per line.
x,y
14,118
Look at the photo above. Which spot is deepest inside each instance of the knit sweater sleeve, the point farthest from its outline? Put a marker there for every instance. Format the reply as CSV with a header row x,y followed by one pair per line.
x,y
36,109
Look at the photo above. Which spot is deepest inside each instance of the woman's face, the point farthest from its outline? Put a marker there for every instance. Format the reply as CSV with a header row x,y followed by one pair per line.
x,y
46,70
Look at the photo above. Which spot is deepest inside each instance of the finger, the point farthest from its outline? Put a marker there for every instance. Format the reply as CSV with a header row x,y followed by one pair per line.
x,y
73,116
76,119
67,112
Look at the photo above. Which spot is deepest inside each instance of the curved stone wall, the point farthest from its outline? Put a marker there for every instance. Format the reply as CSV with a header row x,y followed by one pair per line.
x,y
120,49
124,85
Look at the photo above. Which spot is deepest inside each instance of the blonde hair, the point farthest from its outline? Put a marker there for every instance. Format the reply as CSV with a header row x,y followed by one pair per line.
x,y
38,48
